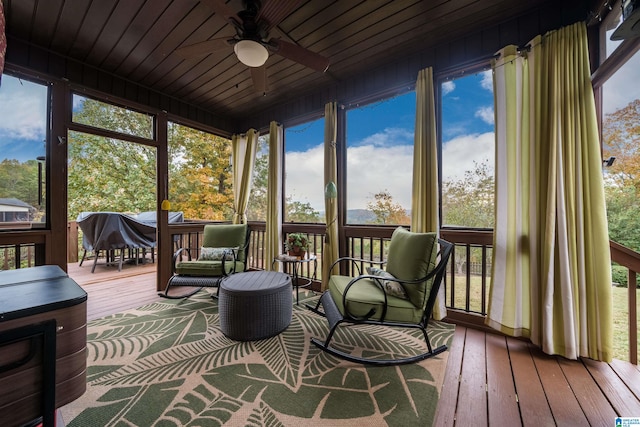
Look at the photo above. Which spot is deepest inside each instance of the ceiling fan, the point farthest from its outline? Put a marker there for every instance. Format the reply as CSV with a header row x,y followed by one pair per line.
x,y
251,43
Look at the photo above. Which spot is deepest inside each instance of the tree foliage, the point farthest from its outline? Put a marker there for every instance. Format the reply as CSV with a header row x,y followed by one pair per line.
x,y
621,138
387,211
298,211
20,181
257,207
200,175
469,202
108,174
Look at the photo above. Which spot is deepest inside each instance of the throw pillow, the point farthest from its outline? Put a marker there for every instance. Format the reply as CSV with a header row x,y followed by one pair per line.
x,y
215,254
390,287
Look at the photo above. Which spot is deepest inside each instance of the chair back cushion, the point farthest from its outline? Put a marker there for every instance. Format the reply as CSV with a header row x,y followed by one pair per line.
x,y
412,256
226,236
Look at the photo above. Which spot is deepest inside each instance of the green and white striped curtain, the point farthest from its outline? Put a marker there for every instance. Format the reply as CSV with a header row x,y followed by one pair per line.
x,y
243,148
273,234
424,190
551,278
330,247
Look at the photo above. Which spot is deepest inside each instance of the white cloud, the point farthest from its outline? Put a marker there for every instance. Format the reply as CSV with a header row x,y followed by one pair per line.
x,y
305,176
618,92
389,136
382,161
487,80
373,168
22,110
448,87
459,154
486,114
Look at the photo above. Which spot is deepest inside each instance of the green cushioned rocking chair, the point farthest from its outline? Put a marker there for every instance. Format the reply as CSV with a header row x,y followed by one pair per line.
x,y
223,252
402,295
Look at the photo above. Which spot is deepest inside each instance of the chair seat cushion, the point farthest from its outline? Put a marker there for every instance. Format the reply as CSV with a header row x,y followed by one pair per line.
x,y
206,268
365,294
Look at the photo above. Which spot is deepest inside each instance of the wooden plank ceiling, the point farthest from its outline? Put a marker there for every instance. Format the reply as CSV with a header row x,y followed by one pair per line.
x,y
136,40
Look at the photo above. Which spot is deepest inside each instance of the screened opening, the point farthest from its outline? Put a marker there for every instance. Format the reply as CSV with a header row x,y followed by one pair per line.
x,y
468,147
380,138
304,172
23,133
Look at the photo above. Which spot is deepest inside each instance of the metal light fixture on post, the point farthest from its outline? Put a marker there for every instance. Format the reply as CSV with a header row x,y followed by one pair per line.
x,y
330,195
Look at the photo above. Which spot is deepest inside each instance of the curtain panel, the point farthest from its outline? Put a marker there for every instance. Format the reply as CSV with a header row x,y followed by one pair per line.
x,y
273,235
551,278
424,189
330,246
244,155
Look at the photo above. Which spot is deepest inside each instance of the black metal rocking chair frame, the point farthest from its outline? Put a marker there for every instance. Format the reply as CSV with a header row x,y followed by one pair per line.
x,y
336,318
200,282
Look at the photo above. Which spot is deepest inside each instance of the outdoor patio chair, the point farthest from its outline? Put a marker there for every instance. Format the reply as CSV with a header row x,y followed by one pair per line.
x,y
223,252
402,295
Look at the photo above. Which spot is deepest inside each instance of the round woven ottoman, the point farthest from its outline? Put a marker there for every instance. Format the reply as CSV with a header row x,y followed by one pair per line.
x,y
255,305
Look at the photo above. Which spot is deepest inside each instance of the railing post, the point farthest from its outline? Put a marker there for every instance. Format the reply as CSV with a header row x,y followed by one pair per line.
x,y
633,317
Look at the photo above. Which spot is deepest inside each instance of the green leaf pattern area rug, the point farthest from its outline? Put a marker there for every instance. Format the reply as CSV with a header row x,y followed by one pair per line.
x,y
168,364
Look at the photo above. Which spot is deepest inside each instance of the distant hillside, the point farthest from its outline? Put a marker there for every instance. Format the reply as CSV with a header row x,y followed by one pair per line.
x,y
360,216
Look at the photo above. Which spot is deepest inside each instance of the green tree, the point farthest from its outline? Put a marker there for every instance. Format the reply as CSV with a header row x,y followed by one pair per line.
x,y
200,182
469,202
257,207
621,138
19,180
387,211
107,174
297,211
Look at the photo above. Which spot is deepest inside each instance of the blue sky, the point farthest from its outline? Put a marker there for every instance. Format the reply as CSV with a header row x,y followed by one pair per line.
x,y
22,119
380,144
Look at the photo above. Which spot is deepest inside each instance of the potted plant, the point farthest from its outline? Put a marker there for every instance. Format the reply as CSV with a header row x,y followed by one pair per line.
x,y
297,244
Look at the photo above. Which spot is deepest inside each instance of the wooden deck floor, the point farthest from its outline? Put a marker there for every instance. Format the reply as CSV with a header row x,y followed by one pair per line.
x,y
490,379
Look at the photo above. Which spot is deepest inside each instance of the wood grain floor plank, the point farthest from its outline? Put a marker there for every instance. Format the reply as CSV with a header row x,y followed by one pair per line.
x,y
472,398
502,402
534,407
563,404
629,373
624,402
593,402
446,410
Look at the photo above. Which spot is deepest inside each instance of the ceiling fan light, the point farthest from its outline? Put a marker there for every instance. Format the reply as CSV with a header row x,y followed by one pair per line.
x,y
251,53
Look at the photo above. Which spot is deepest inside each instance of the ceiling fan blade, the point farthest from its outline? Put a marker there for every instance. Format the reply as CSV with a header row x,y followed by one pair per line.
x,y
274,11
221,9
259,76
203,48
300,55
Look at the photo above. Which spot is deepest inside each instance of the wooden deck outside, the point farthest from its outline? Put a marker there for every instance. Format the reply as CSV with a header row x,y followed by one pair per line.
x,y
490,379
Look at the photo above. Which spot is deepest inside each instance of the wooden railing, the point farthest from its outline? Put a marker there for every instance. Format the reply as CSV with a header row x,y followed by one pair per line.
x,y
17,256
467,282
630,260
